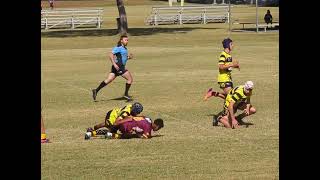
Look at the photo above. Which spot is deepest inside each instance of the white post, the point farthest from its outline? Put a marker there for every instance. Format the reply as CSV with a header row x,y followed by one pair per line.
x,y
170,3
251,2
155,19
204,16
223,2
182,2
214,1
257,22
229,16
46,21
72,23
99,24
180,17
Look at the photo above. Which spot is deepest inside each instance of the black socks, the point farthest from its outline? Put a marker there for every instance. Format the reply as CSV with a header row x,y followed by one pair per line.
x,y
127,89
102,84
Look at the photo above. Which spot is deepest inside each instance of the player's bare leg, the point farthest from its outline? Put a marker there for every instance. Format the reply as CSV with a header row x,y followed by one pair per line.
x,y
225,121
211,93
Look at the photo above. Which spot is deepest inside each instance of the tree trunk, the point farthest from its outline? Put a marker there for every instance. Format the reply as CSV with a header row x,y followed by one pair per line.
x,y
123,17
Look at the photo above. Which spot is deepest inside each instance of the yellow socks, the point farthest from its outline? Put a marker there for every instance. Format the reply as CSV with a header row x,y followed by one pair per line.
x,y
43,136
94,133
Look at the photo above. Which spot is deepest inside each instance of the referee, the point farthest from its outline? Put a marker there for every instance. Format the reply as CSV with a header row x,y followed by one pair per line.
x,y
118,57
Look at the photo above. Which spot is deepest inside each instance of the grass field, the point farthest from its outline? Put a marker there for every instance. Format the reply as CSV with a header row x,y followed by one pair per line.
x,y
173,66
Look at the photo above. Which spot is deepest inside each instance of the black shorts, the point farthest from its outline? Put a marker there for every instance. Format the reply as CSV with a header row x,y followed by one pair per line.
x,y
225,84
121,71
241,106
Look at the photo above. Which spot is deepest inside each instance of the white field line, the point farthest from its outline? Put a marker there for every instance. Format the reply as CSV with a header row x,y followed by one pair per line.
x,y
73,86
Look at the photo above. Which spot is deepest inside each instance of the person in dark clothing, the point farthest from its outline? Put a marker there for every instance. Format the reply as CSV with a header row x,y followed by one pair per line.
x,y
268,18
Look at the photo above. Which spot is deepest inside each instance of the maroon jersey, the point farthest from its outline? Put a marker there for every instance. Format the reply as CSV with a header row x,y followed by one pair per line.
x,y
140,127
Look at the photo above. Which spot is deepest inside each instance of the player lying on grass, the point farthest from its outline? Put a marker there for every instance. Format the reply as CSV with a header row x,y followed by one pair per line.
x,y
226,63
130,127
116,114
237,98
138,127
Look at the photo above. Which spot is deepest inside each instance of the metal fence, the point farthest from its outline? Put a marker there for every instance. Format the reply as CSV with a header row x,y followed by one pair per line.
x,y
71,18
187,14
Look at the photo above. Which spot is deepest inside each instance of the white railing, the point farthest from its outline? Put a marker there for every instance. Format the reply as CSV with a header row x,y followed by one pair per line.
x,y
188,14
71,18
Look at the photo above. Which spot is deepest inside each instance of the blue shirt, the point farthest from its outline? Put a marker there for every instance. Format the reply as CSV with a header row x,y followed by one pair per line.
x,y
122,55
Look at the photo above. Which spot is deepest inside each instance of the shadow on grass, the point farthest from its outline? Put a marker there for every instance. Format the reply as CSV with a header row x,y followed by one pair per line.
x,y
157,135
112,32
245,124
102,136
115,99
254,29
135,137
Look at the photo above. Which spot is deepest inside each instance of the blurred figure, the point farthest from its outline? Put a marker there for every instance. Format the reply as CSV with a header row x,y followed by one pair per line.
x,y
51,3
268,18
43,132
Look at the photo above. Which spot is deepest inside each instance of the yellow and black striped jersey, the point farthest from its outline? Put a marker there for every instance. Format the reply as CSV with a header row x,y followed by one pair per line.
x,y
225,75
120,113
237,96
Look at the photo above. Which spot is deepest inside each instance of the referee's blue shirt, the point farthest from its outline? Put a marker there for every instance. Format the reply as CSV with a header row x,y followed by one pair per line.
x,y
121,53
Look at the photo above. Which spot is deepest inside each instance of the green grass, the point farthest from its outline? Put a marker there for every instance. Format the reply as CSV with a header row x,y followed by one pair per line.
x,y
172,68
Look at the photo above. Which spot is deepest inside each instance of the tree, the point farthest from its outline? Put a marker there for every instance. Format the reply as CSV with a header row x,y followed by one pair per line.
x,y
122,21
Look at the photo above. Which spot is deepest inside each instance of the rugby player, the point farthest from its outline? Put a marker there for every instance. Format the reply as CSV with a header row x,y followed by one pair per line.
x,y
237,98
139,127
44,138
226,63
113,115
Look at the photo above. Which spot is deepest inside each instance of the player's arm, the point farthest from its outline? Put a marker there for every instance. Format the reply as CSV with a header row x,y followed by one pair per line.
x,y
231,112
112,58
139,117
223,66
144,135
130,56
119,120
248,105
236,64
222,63
143,132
